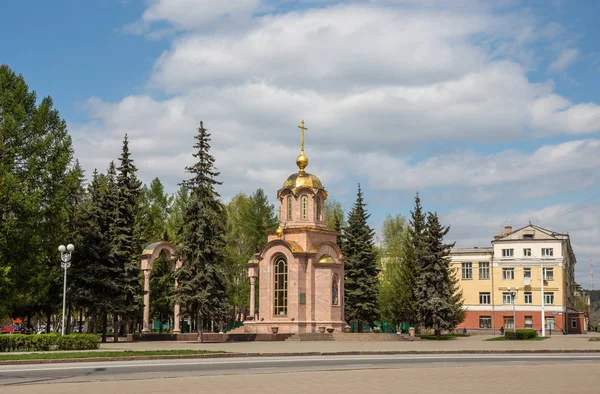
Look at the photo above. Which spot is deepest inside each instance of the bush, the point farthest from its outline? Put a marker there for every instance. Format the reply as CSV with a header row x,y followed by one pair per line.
x,y
45,342
521,334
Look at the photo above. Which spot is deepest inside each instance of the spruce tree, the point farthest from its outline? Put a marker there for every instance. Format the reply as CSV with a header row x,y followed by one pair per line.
x,y
125,245
434,285
361,269
201,289
413,246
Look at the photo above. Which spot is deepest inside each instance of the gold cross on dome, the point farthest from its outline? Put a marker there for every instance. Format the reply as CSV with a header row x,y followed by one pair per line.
x,y
301,127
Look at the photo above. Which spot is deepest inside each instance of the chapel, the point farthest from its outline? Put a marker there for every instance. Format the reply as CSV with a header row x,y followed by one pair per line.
x,y
300,271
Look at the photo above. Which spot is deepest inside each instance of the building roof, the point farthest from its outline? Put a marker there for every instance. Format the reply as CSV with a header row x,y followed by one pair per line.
x,y
298,181
474,250
532,232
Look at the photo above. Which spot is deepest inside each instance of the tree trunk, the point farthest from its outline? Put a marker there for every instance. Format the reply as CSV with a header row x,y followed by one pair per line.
x,y
48,322
104,326
438,334
360,328
115,328
160,327
80,321
199,324
28,322
68,323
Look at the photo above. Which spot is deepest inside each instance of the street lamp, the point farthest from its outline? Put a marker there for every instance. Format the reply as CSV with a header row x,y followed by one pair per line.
x,y
513,294
65,257
543,296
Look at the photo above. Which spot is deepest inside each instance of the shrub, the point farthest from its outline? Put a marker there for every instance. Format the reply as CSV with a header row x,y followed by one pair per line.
x,y
78,342
521,334
45,342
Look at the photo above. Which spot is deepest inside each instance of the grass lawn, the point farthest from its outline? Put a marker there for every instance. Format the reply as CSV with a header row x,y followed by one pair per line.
x,y
84,354
445,337
594,339
517,340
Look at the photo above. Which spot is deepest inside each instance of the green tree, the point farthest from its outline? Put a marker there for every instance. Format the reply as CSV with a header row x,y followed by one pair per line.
x,y
202,285
125,245
92,271
35,158
162,284
361,269
334,217
174,225
153,212
258,218
414,250
396,294
434,285
239,247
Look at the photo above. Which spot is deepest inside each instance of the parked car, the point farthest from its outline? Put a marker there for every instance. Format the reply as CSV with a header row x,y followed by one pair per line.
x,y
12,329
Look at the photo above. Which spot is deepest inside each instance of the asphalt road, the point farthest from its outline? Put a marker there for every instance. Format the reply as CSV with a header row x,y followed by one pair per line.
x,y
12,375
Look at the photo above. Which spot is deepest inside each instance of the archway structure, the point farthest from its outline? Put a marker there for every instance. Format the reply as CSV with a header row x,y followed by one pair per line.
x,y
149,255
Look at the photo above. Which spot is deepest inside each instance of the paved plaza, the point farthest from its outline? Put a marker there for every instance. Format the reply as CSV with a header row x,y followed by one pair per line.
x,y
581,378
471,343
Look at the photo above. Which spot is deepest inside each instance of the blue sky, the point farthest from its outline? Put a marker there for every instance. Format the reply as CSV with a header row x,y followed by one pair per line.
x,y
491,111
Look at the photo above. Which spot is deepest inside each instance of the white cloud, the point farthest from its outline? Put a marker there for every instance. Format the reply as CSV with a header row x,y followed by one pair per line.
x,y
565,59
374,81
190,14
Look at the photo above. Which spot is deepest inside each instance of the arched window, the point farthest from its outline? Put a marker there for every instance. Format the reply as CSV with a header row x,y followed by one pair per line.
x,y
289,208
335,290
281,287
318,209
304,207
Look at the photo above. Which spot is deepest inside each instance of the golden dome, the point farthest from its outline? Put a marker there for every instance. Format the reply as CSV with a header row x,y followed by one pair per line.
x,y
302,161
297,181
279,232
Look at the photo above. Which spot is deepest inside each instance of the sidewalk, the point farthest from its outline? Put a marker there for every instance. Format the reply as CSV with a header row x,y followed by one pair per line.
x,y
472,343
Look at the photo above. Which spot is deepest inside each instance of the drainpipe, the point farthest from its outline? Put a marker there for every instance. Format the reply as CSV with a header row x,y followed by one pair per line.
x,y
493,296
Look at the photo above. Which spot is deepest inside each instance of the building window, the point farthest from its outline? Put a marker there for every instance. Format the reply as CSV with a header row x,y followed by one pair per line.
x,y
547,252
528,321
506,298
549,298
573,323
548,273
335,290
508,252
527,252
484,298
528,297
289,208
526,273
281,287
304,201
485,322
508,273
467,270
509,322
318,208
484,270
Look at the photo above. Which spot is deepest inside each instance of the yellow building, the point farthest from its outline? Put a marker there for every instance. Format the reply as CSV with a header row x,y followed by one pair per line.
x,y
502,285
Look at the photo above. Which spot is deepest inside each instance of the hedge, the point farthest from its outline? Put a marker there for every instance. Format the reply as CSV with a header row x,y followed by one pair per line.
x,y
521,334
44,342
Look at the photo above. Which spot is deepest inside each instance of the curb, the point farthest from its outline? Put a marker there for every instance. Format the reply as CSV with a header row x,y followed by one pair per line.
x,y
296,354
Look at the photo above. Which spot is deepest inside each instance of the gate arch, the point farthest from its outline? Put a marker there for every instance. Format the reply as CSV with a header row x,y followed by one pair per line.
x,y
149,255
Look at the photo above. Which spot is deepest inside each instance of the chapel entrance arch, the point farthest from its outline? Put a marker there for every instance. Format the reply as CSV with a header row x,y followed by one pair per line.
x,y
149,255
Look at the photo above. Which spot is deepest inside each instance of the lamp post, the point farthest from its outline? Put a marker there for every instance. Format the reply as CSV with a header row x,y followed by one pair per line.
x,y
65,257
513,294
